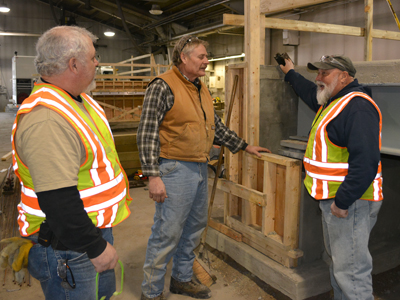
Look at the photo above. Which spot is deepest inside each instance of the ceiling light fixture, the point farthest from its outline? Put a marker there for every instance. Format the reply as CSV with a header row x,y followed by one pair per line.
x,y
4,8
155,10
109,32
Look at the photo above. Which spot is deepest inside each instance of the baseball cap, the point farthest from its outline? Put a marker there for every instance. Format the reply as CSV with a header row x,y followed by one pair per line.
x,y
328,62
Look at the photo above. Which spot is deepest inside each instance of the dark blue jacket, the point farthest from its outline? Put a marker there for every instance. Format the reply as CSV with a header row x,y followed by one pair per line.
x,y
356,128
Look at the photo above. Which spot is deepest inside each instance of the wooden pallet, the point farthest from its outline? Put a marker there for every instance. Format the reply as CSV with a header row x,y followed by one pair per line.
x,y
262,195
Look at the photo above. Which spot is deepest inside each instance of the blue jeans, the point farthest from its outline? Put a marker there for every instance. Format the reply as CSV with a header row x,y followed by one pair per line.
x,y
346,242
178,224
42,265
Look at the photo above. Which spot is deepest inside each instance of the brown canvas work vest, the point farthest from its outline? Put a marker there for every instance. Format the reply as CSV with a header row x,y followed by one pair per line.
x,y
187,131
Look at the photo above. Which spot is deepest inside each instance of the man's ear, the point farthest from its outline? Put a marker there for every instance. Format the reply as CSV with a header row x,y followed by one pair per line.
x,y
183,58
72,65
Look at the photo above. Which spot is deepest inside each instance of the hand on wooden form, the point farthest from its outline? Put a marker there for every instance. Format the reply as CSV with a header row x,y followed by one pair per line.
x,y
107,260
256,150
157,189
288,66
337,212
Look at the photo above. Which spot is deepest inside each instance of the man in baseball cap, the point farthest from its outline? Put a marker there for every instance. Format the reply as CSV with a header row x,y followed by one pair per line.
x,y
343,168
328,62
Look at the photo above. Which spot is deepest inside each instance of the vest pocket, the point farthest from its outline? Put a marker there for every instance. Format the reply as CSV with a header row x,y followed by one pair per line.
x,y
186,143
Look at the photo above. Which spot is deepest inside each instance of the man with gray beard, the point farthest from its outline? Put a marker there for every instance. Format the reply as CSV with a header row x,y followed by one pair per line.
x,y
343,168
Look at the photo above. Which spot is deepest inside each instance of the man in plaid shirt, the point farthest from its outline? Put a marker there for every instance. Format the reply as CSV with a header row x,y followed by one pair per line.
x,y
177,129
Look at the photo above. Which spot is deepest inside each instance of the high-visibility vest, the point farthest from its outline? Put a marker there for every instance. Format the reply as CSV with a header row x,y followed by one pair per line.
x,y
326,164
102,183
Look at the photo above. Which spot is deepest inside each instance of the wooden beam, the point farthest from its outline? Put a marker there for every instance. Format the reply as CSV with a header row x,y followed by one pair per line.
x,y
270,245
6,156
385,34
274,6
369,8
278,159
253,37
275,23
240,191
233,234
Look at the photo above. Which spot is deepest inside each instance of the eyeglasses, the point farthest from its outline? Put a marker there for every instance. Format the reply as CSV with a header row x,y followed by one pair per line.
x,y
62,267
331,59
189,40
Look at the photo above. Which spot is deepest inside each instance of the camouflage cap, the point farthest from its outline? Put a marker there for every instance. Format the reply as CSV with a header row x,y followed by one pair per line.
x,y
334,62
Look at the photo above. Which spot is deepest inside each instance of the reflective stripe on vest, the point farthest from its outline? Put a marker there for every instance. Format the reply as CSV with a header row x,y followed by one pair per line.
x,y
324,173
102,190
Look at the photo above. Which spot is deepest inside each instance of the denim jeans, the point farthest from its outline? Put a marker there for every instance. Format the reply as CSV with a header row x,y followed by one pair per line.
x,y
42,265
346,242
178,224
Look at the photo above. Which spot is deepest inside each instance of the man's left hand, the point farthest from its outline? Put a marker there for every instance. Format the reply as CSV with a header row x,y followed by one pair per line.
x,y
256,150
337,212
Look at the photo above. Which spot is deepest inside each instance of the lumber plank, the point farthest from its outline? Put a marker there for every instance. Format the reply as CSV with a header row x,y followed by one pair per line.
x,y
268,245
240,191
268,222
275,23
278,159
273,6
292,206
369,21
251,116
232,204
385,34
280,199
233,234
6,156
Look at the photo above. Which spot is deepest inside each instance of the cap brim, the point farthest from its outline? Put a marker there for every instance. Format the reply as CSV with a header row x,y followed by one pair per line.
x,y
319,65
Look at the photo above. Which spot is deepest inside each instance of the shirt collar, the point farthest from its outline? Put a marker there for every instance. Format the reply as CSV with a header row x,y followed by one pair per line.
x,y
79,99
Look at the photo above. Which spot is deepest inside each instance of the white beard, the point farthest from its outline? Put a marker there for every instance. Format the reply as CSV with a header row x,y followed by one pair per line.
x,y
323,95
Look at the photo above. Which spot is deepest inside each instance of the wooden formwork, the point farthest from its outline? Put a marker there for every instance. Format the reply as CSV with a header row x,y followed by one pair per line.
x,y
128,153
262,195
121,93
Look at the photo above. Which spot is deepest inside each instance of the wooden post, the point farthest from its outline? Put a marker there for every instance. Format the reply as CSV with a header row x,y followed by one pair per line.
x,y
234,161
369,8
252,100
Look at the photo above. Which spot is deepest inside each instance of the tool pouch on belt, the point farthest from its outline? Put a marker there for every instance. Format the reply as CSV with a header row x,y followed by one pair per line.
x,y
47,238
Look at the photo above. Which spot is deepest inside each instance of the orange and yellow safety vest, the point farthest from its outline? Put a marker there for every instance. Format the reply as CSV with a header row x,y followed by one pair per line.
x,y
102,183
326,164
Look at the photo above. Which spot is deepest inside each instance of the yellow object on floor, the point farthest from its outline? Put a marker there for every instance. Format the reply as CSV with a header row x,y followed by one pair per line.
x,y
15,255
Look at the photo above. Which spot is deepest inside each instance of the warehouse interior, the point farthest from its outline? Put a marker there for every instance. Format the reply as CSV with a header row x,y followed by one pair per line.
x,y
265,227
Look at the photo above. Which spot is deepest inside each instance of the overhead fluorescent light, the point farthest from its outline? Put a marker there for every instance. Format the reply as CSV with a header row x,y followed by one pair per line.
x,y
227,57
109,32
4,8
155,10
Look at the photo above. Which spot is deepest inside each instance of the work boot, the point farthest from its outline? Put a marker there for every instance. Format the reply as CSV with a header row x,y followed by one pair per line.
x,y
159,297
191,289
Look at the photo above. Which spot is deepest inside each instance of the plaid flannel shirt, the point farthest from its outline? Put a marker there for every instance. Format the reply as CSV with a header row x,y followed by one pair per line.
x,y
158,100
